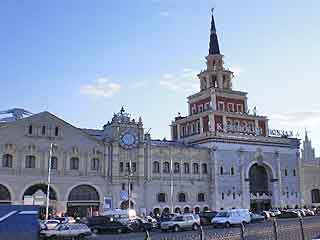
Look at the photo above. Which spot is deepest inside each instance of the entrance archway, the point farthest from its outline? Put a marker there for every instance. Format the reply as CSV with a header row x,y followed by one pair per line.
x,y
260,187
124,205
83,201
5,196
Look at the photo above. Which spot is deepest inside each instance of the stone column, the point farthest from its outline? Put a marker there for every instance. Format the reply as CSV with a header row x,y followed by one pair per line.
x,y
278,199
212,123
213,101
213,180
242,177
224,122
201,125
178,131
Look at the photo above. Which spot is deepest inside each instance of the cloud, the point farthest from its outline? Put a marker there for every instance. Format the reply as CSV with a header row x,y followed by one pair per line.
x,y
236,70
138,84
306,119
185,81
102,87
164,13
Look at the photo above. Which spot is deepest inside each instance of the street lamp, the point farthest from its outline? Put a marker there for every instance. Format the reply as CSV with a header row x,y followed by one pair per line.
x,y
49,180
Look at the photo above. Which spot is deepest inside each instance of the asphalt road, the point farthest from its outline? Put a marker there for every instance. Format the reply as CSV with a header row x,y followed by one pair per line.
x,y
287,229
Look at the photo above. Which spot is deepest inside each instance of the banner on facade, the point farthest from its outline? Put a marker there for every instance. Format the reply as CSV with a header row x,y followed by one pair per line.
x,y
107,203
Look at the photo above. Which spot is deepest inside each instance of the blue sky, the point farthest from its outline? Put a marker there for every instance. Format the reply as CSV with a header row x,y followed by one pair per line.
x,y
82,60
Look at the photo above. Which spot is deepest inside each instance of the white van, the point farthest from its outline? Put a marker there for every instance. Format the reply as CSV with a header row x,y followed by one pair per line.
x,y
120,214
230,217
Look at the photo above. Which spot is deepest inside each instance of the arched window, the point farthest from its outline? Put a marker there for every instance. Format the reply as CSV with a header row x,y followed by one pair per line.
x,y
161,197
56,131
156,167
83,193
186,167
43,131
30,161
222,196
186,210
195,168
201,197
315,196
54,163
95,164
197,210
182,197
74,163
176,167
205,209
30,129
204,168
5,196
294,172
177,210
121,167
221,170
7,161
166,167
232,171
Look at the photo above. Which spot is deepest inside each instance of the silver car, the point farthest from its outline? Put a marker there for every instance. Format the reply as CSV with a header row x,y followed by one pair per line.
x,y
66,231
181,222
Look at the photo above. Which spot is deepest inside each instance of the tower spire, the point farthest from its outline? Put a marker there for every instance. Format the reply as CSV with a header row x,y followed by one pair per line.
x,y
213,44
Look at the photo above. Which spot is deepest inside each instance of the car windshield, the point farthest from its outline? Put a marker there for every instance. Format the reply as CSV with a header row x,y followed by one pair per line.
x,y
60,227
223,214
178,218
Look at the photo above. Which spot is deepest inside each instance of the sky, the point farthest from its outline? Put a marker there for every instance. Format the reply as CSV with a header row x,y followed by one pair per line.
x,y
82,60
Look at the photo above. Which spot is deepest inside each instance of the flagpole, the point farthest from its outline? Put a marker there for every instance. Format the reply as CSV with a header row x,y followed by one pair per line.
x,y
171,182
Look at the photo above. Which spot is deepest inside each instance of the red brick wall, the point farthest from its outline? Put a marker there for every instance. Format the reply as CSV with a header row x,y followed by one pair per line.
x,y
262,125
229,100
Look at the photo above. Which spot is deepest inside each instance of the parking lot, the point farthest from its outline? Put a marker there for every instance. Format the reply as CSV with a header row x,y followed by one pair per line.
x,y
289,229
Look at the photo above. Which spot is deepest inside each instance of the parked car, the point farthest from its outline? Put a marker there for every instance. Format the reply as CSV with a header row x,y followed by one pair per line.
x,y
51,223
266,214
255,217
181,222
65,219
206,217
231,217
275,211
138,225
289,214
309,212
152,220
103,224
63,231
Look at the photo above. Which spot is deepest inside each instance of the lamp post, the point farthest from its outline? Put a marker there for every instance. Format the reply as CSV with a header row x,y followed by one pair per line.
x,y
49,180
171,183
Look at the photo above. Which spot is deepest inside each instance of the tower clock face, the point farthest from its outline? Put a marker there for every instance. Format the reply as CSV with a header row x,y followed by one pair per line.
x,y
127,140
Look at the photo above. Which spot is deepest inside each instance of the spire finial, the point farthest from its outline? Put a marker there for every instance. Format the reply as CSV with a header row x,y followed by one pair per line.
x,y
214,44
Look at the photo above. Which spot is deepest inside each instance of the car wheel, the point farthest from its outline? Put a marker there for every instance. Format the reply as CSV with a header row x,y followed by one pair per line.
x,y
195,227
176,228
164,230
227,225
119,230
81,237
53,238
95,230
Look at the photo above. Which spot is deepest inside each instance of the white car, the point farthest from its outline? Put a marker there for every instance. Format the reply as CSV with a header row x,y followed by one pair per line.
x,y
67,231
275,211
231,217
51,223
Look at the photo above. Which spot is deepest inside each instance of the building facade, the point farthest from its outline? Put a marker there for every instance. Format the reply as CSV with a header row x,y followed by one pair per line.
x,y
220,156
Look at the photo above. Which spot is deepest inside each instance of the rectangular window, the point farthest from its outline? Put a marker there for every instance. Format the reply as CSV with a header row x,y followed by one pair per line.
x,y
239,108
123,186
95,162
200,108
74,163
221,106
54,163
230,107
134,167
121,167
30,162
127,167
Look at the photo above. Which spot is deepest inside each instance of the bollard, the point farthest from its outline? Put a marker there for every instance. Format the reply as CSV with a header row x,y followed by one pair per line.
x,y
201,233
147,235
301,228
242,229
275,229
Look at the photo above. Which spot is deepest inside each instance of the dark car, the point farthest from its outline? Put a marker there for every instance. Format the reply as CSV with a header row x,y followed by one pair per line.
x,y
289,214
138,225
206,217
256,217
103,224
